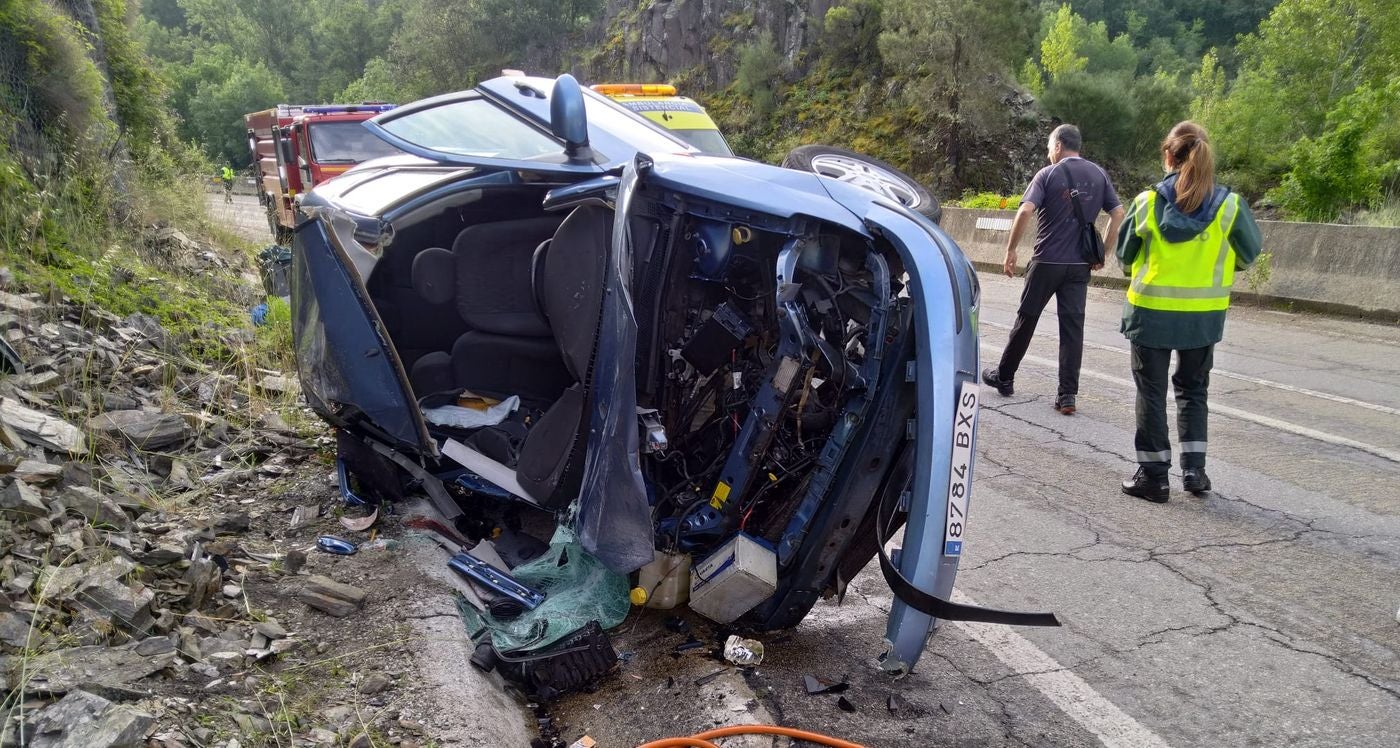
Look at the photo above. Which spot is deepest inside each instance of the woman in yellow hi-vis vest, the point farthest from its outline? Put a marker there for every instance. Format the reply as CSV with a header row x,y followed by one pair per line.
x,y
1181,245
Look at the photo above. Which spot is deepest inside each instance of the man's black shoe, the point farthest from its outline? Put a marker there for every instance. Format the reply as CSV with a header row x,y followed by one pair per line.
x,y
1144,486
991,377
1065,404
1195,480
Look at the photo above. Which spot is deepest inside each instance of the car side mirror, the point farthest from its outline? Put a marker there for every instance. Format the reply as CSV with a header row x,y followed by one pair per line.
x,y
284,145
568,119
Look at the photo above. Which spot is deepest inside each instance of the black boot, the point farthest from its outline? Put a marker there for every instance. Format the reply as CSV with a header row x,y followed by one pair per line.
x,y
1195,480
993,378
1153,488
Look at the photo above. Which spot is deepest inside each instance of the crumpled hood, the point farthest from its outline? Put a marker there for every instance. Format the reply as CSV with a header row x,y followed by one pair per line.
x,y
1179,227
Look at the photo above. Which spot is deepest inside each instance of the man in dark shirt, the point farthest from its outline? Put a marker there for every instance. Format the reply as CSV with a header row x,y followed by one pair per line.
x,y
1057,267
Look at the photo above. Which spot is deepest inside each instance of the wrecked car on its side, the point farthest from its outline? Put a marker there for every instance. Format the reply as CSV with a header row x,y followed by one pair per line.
x,y
677,350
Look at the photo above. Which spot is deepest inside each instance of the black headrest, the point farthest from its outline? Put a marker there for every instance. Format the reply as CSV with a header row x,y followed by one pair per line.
x,y
435,275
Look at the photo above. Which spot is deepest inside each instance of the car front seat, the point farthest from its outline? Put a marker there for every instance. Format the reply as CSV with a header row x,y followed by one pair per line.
x,y
570,292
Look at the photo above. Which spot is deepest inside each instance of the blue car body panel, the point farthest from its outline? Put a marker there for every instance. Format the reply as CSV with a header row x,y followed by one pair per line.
x,y
943,287
348,368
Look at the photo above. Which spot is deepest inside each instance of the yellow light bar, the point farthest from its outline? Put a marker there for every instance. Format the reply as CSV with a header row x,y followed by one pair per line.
x,y
635,89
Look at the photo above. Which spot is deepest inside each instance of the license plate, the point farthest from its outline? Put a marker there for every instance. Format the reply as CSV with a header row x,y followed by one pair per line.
x,y
960,472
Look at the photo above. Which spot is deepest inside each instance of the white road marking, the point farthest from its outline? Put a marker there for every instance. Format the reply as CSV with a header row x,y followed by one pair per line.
x,y
1076,698
1242,377
1243,415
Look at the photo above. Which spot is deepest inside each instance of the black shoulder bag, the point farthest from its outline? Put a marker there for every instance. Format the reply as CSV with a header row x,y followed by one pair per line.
x,y
1090,243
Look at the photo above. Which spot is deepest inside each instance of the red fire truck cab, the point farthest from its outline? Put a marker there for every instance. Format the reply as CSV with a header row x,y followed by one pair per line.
x,y
296,147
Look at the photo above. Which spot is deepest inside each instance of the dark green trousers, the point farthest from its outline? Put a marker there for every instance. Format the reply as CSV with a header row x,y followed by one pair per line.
x,y
1192,379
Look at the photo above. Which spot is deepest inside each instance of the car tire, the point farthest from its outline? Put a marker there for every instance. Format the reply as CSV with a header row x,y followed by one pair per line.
x,y
867,172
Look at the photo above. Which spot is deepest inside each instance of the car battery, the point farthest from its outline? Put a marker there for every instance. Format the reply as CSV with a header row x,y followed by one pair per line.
x,y
738,576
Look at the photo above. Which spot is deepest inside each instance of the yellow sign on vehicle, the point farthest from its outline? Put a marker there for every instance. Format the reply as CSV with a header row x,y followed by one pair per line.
x,y
660,103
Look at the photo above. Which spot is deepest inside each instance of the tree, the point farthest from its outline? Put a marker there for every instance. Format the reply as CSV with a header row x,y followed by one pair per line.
x,y
1059,52
218,107
1208,83
1347,166
851,33
956,56
754,78
1102,108
447,45
1304,59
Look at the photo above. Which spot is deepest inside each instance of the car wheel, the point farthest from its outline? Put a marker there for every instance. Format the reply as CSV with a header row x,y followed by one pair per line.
x,y
865,172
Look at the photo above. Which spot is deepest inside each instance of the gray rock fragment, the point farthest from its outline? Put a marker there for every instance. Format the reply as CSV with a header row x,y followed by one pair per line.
x,y
38,473
150,328
40,429
156,645
85,720
20,502
139,428
332,597
66,670
375,683
271,629
94,507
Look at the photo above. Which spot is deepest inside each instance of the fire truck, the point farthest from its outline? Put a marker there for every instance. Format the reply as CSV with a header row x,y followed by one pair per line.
x,y
296,147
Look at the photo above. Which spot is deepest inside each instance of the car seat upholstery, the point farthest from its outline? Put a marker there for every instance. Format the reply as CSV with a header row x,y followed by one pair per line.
x,y
503,346
417,325
550,465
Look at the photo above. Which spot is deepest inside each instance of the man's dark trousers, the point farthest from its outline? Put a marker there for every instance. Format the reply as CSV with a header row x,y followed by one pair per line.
x,y
1192,378
1069,284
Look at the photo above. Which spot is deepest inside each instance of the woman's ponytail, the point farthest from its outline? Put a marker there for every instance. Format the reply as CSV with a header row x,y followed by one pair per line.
x,y
1191,152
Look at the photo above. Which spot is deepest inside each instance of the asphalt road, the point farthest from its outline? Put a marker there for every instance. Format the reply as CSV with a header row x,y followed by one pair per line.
x,y
1261,614
243,216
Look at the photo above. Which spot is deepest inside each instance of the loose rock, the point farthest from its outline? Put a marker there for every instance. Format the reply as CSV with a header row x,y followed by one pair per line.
x,y
20,502
40,429
95,507
332,597
38,473
85,720
141,429
66,670
375,683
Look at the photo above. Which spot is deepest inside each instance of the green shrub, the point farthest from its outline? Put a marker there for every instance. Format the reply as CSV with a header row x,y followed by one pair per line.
x,y
758,62
986,201
1100,105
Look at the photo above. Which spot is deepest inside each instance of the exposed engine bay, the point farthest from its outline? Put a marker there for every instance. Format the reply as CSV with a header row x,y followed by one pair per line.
x,y
758,357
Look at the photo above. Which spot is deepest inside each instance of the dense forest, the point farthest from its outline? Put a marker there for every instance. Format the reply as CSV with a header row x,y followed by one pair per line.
x,y
961,93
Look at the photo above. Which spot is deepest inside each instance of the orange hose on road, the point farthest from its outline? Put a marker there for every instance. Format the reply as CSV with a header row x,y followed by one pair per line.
x,y
700,739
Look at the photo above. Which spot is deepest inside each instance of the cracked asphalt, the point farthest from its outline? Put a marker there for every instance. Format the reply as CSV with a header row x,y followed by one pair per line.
x,y
1261,614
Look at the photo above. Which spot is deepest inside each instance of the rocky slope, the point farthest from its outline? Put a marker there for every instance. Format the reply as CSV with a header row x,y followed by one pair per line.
x,y
156,518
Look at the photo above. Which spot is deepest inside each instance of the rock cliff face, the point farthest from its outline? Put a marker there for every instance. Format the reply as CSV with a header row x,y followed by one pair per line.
x,y
696,39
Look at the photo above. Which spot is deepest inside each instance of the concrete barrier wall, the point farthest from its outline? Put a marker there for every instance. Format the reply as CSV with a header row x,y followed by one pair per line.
x,y
1324,266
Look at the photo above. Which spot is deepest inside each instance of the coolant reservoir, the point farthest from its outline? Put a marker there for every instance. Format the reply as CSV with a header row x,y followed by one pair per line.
x,y
666,580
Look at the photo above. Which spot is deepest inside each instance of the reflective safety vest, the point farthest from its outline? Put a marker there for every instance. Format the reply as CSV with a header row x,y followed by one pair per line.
x,y
1187,276
227,174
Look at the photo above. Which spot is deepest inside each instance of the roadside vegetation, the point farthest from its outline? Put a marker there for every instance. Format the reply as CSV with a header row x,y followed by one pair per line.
x,y
101,199
960,93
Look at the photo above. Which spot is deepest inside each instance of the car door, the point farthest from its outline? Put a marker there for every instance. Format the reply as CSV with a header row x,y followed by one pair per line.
x,y
350,373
